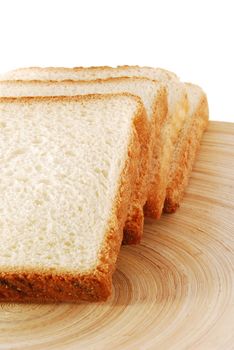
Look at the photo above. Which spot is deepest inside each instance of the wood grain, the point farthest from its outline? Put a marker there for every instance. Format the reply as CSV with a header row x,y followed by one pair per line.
x,y
174,291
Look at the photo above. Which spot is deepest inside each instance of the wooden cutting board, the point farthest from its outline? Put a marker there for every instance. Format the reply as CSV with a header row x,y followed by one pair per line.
x,y
174,291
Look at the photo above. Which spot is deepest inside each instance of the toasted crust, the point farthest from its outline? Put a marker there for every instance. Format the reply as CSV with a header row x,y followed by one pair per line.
x,y
190,139
47,286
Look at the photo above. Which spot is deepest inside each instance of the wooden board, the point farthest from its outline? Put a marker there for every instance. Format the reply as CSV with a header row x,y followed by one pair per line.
x,y
174,291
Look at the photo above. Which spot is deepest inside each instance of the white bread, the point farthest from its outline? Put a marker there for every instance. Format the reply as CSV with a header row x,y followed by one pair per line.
x,y
187,147
154,98
68,165
177,108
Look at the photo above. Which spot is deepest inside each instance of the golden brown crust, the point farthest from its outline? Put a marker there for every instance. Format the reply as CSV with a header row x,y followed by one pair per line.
x,y
155,202
30,286
73,81
190,139
109,252
133,228
159,117
42,286
78,98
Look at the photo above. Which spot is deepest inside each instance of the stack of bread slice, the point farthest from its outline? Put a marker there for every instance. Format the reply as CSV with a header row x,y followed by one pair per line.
x,y
86,153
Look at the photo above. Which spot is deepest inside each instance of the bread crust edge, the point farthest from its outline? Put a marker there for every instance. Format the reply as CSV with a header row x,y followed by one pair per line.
x,y
192,137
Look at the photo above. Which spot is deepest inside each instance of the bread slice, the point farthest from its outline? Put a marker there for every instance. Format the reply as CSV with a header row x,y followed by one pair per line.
x,y
68,165
154,98
176,113
187,146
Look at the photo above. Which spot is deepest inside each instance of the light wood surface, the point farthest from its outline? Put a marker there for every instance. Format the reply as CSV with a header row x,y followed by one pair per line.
x,y
174,291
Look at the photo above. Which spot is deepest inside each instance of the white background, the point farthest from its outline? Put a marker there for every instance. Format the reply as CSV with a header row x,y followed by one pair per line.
x,y
193,38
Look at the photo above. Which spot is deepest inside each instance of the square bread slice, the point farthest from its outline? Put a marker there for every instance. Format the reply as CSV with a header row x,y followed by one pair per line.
x,y
176,112
187,146
68,165
151,183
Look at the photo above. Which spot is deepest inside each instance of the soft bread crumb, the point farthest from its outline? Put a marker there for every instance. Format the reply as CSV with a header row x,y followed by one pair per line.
x,y
60,168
